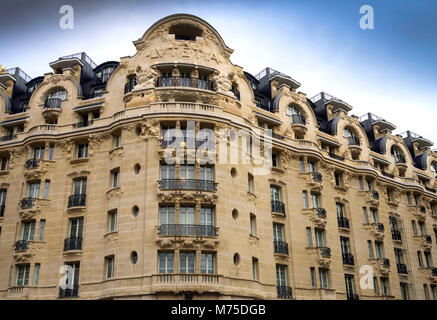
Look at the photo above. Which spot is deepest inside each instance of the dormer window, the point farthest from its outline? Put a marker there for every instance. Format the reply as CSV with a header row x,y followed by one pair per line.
x,y
296,115
398,154
185,31
97,92
352,139
55,98
104,74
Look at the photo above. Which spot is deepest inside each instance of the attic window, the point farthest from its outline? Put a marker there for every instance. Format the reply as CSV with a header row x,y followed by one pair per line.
x,y
185,31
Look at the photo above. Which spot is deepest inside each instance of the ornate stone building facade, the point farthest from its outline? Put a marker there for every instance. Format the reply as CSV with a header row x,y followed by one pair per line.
x,y
84,184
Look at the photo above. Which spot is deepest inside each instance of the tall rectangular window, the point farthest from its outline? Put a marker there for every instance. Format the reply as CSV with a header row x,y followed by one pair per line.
x,y
309,237
112,221
379,249
366,218
82,150
33,189
117,140
420,259
278,232
186,262
206,173
250,187
252,224
186,215
413,225
166,215
313,277
46,189
186,172
115,178
79,186
207,263
42,225
38,152
305,199
374,217
385,289
324,278
4,163
434,292
301,165
375,286
408,195
370,247
51,151
425,290
3,194
166,260
167,172
255,269
23,274
275,194
428,259
320,237
28,230
360,183
76,228
281,275
36,274
109,262
404,291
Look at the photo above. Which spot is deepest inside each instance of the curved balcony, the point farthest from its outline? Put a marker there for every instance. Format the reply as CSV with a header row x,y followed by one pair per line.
x,y
281,247
32,163
52,109
354,146
27,203
402,268
317,177
284,292
379,227
188,230
83,124
188,82
343,222
73,243
396,235
278,207
325,252
77,200
188,184
52,103
348,259
21,245
192,282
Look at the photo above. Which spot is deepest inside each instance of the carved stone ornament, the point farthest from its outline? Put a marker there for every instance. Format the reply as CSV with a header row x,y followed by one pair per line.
x,y
95,140
15,156
67,147
222,83
146,77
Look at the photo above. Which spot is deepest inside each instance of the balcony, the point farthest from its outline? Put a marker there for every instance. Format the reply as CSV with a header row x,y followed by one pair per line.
x,y
336,156
192,282
27,203
52,103
379,227
402,268
32,163
73,243
278,207
298,124
72,292
427,239
348,259
187,230
399,159
280,247
21,245
352,296
385,263
186,82
325,252
343,222
8,137
77,200
321,213
374,194
284,292
83,124
188,184
396,235
298,119
317,177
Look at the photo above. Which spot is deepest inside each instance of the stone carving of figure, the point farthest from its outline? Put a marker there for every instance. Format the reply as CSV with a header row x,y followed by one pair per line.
x,y
146,78
222,83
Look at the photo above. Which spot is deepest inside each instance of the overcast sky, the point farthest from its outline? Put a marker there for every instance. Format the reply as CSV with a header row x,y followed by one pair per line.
x,y
390,71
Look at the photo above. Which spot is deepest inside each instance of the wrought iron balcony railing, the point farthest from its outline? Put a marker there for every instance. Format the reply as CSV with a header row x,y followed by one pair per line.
x,y
317,176
73,243
396,235
353,141
325,252
427,238
374,194
399,158
379,227
321,213
83,124
284,292
434,272
52,103
422,209
77,200
348,259
8,137
68,292
298,119
188,230
21,245
281,247
336,156
278,207
187,184
343,222
185,82
402,268
27,203
129,86
385,262
32,163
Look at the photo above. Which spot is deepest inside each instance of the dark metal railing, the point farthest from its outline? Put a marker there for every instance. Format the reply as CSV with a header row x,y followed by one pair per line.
x,y
343,222
421,208
399,158
32,163
52,103
298,119
69,292
430,189
379,226
348,259
317,176
396,235
278,206
8,137
21,245
353,141
187,184
385,262
434,272
427,238
336,156
77,200
187,230
321,213
284,292
325,252
83,124
352,296
73,243
386,174
281,247
27,203
185,82
374,194
129,86
402,268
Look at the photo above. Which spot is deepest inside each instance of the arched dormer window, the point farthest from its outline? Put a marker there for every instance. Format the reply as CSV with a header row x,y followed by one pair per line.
x,y
104,74
296,115
55,98
351,137
397,154
185,31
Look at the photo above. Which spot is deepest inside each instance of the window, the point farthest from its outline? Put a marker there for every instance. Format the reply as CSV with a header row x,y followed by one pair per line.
x,y
428,259
58,94
166,260
167,172
274,160
320,237
36,273
374,217
33,189
281,275
79,186
112,221
28,230
379,249
3,193
250,183
105,73
301,165
345,245
275,194
46,189
82,150
38,152
186,215
366,218
370,247
166,215
425,290
434,292
324,278
416,199
385,290
97,92
278,232
315,200
420,259
369,184
305,199
252,225
404,290
206,173
4,163
76,229
109,262
340,210
187,260
23,274
255,269
413,224
311,166
375,286
207,261
117,140
360,183
309,237
338,179
408,198
422,228
313,277
350,285
42,225
186,171
115,174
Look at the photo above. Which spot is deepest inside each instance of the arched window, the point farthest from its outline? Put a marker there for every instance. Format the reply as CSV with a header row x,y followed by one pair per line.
x,y
296,115
55,98
397,154
352,139
434,168
104,74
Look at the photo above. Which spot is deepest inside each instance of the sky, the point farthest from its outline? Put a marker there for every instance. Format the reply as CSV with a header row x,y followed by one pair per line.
x,y
390,70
